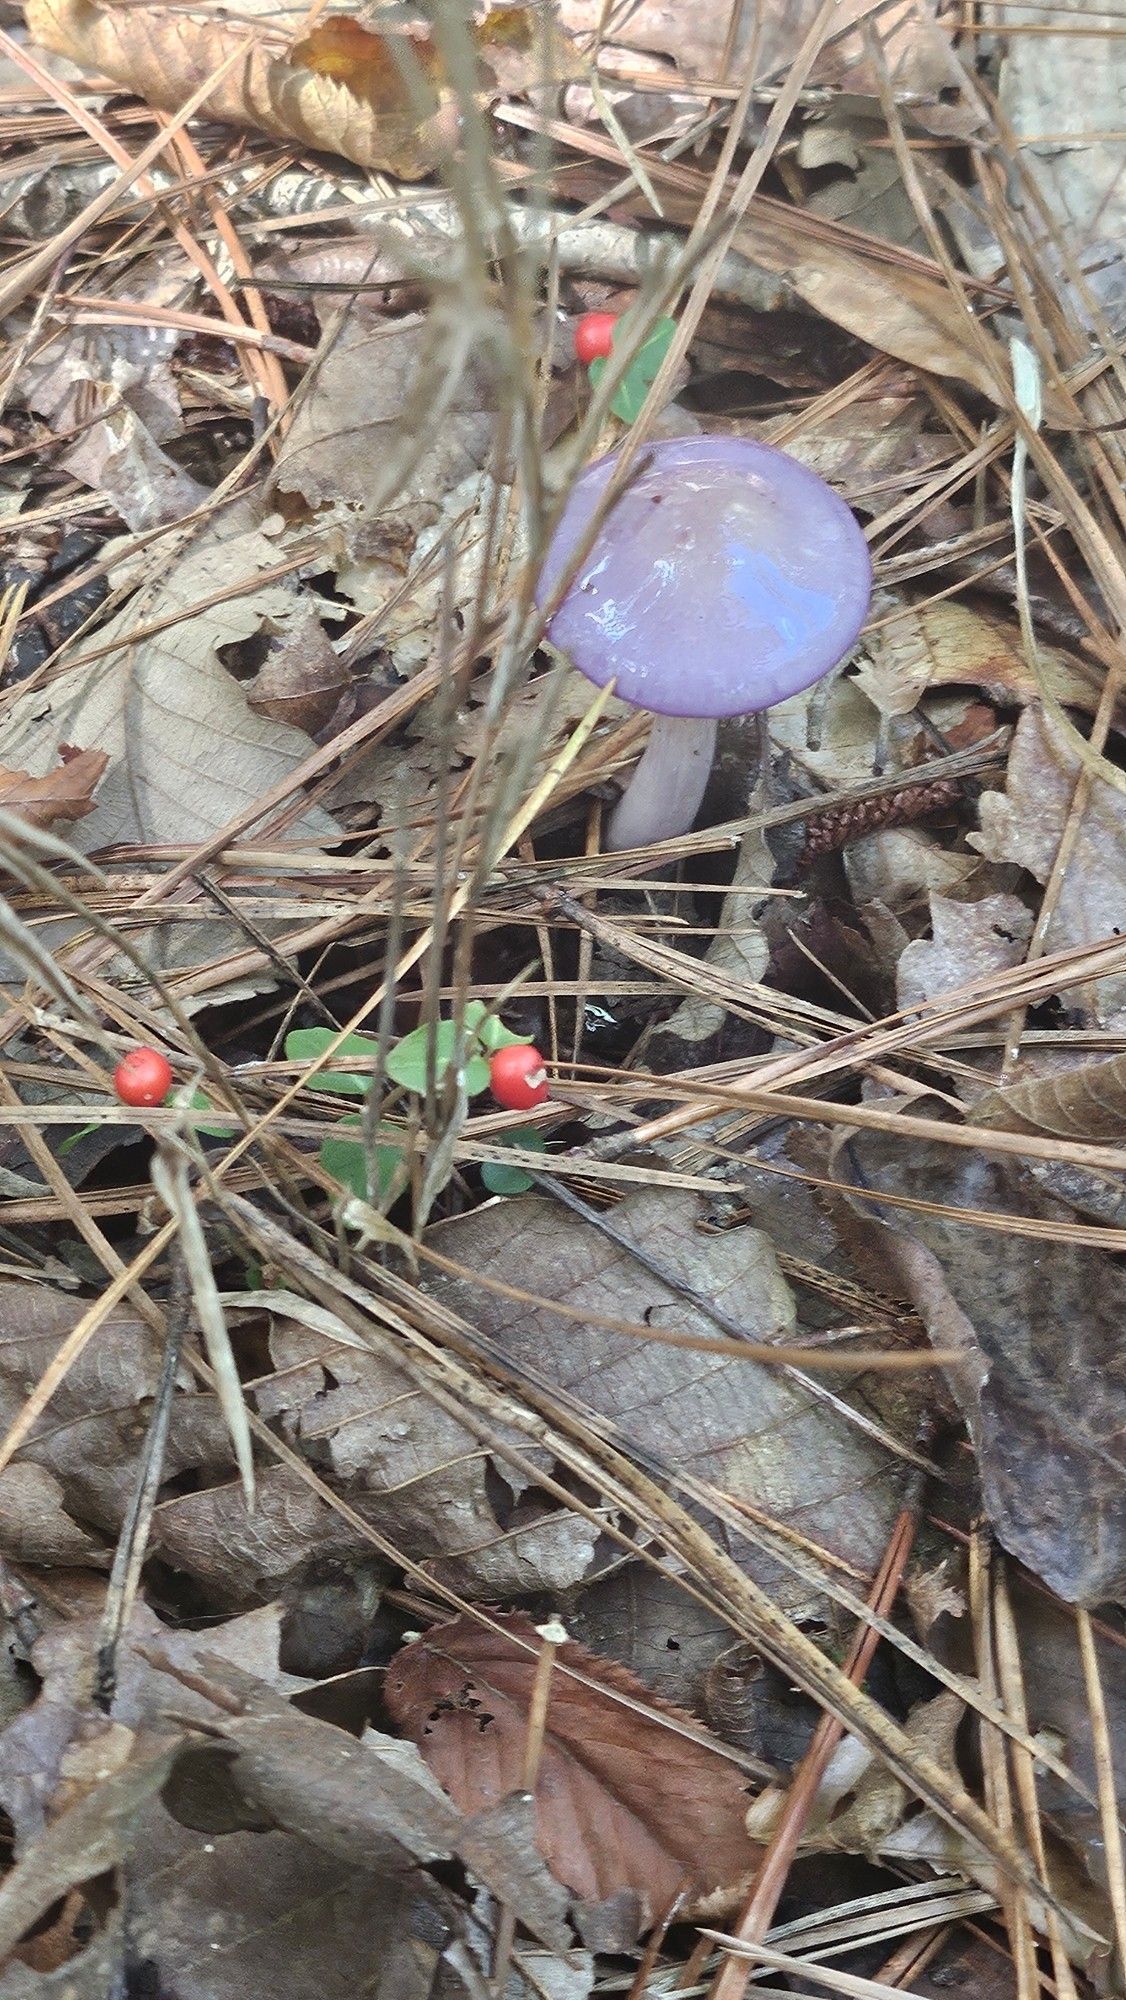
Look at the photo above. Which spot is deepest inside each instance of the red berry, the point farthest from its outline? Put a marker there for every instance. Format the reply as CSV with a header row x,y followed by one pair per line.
x,y
594,336
517,1077
144,1076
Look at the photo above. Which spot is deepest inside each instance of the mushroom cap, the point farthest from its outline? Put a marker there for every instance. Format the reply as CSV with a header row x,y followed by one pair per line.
x,y
725,577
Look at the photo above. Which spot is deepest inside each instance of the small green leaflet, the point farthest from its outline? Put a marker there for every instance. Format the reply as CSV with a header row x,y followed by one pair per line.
x,y
642,372
513,1180
306,1044
198,1102
490,1029
346,1161
68,1145
409,1060
429,1051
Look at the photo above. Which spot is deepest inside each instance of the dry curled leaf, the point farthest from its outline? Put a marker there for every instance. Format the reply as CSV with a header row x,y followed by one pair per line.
x,y
186,754
67,792
625,1799
378,100
1026,823
1086,1103
950,644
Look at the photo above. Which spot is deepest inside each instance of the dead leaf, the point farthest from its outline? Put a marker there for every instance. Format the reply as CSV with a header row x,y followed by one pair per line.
x,y
95,1834
899,867
860,1802
266,1913
112,393
186,754
369,1797
35,1526
624,1800
243,1558
744,1427
850,174
869,440
1039,1322
1086,1101
646,1621
1068,83
1056,1696
697,41
88,1437
302,680
968,941
408,1463
66,793
1026,823
949,644
897,310
901,311
379,100
396,413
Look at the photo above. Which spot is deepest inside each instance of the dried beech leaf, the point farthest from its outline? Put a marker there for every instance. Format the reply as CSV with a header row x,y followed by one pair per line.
x,y
903,312
378,100
162,55
1087,1103
624,1800
67,792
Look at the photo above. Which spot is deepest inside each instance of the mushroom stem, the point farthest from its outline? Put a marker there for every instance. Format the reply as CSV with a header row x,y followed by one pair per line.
x,y
664,794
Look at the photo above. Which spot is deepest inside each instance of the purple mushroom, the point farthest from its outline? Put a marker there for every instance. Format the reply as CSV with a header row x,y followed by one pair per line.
x,y
724,578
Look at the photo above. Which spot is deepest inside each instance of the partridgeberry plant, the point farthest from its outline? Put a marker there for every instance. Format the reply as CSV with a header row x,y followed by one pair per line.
x,y
426,1054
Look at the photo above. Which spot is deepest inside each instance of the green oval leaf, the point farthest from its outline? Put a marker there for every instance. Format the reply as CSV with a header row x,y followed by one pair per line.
x,y
306,1044
409,1062
346,1160
503,1179
642,372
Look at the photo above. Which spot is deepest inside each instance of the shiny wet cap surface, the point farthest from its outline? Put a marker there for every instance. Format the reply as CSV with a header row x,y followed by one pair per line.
x,y
726,578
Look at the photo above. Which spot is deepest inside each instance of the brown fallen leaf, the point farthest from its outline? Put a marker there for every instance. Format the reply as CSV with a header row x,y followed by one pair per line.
x,y
949,644
907,312
67,792
1026,824
1087,1102
698,42
83,1842
1042,1386
163,711
302,679
738,1425
968,941
625,1799
377,99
